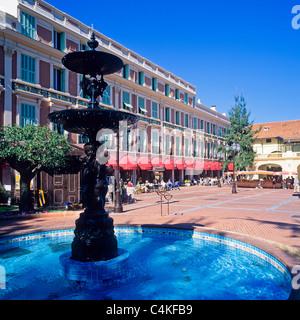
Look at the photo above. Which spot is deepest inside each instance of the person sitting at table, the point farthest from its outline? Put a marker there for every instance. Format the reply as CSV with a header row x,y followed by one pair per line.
x,y
176,185
169,185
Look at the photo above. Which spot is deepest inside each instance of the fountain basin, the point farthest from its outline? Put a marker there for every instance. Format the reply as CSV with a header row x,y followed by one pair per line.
x,y
164,263
96,271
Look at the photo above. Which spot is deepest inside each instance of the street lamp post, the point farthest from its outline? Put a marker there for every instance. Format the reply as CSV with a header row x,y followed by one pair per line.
x,y
235,147
118,208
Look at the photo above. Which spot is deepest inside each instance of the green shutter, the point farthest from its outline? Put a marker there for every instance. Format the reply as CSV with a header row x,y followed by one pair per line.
x,y
154,110
62,79
126,71
141,78
27,68
186,98
154,84
27,115
167,90
62,41
27,25
177,94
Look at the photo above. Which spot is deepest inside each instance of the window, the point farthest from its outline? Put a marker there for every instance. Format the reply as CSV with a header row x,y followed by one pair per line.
x,y
187,147
154,110
27,25
126,71
142,141
178,146
155,142
106,96
82,139
141,106
59,40
177,117
154,84
167,90
208,150
186,120
126,101
186,98
85,96
126,141
214,129
202,124
268,140
58,127
108,141
208,127
141,78
27,115
220,131
27,68
168,147
195,151
195,123
167,114
58,79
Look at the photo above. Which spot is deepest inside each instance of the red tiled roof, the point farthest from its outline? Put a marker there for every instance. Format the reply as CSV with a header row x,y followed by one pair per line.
x,y
285,129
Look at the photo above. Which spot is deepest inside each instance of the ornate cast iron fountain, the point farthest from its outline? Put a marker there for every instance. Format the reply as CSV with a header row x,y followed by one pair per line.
x,y
94,233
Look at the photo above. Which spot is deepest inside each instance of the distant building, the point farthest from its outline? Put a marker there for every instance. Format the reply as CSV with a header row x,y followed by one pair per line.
x,y
175,138
277,146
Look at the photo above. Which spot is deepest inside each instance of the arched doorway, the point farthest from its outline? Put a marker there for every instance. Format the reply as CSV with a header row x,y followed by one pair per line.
x,y
270,167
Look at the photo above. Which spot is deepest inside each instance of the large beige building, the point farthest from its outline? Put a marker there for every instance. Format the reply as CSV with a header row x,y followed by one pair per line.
x,y
277,146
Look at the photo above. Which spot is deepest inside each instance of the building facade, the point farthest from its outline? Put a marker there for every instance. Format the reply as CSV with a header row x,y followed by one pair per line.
x,y
176,136
277,147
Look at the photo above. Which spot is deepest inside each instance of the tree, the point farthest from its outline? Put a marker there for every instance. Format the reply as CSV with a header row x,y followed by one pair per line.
x,y
240,132
29,150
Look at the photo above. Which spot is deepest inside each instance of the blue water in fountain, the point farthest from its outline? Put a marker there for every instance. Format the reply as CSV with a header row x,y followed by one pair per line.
x,y
160,267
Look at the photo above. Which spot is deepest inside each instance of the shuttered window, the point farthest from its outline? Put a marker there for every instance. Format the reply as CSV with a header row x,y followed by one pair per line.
x,y
27,68
27,25
27,115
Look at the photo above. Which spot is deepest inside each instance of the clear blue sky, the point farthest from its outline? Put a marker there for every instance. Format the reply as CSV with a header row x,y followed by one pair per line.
x,y
222,47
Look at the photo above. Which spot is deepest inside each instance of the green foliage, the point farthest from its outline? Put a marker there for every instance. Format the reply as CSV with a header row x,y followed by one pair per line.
x,y
32,147
29,150
241,133
3,194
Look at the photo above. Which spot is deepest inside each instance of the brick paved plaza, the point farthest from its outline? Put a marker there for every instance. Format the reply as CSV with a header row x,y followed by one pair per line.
x,y
264,217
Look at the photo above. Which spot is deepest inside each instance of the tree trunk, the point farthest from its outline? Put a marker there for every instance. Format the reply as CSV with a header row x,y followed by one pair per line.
x,y
26,200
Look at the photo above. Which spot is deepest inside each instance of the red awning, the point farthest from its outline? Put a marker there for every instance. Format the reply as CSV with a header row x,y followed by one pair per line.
x,y
189,164
157,162
128,163
230,166
144,163
112,161
206,165
219,166
199,165
180,164
169,164
212,166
